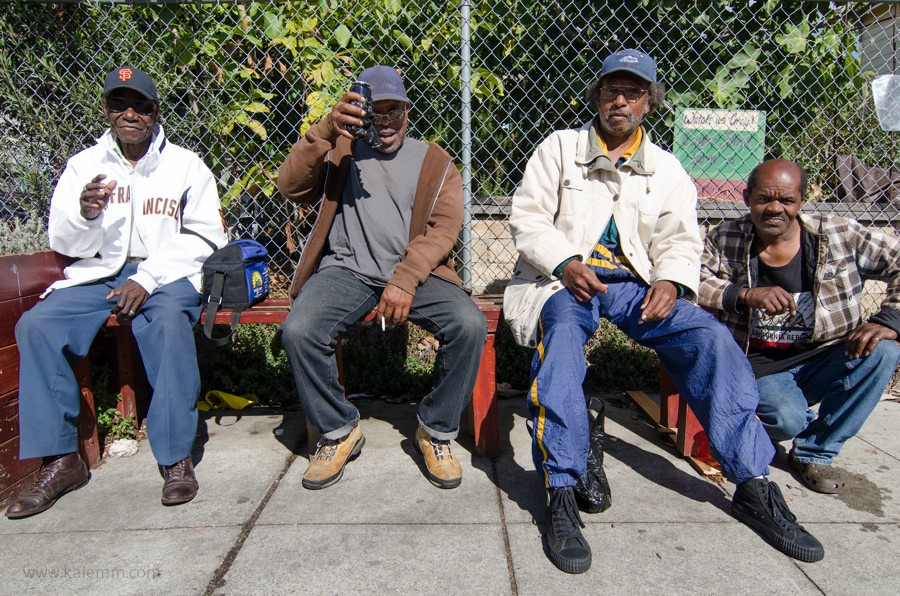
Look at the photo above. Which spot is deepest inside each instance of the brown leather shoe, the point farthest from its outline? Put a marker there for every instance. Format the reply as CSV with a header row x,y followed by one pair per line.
x,y
181,484
444,470
59,474
326,466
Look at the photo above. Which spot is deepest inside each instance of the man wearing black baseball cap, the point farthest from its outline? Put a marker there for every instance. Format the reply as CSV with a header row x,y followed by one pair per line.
x,y
605,224
388,220
128,77
139,215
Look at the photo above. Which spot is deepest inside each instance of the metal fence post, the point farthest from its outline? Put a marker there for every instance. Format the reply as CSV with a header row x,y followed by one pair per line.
x,y
466,113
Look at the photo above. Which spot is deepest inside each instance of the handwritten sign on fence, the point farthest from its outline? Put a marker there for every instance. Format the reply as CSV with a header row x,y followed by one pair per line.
x,y
718,148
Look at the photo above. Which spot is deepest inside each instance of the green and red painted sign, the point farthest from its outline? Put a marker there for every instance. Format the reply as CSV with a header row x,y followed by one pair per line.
x,y
718,148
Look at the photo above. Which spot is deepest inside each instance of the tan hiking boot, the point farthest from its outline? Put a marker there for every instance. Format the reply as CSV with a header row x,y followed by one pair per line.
x,y
326,466
444,470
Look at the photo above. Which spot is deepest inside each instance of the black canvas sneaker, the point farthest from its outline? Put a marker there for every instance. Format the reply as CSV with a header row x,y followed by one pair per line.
x,y
759,504
567,548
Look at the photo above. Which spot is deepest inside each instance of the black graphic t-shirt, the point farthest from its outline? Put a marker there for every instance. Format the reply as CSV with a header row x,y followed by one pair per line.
x,y
773,338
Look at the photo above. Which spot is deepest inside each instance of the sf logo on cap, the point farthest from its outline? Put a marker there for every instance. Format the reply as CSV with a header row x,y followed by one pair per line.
x,y
124,74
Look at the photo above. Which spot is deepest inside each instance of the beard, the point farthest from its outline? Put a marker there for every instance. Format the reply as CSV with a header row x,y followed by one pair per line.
x,y
619,127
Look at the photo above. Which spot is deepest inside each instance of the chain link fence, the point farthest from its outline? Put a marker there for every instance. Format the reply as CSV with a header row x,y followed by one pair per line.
x,y
239,82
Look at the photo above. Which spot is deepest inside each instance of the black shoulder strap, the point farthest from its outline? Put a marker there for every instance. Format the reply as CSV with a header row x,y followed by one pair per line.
x,y
184,230
212,308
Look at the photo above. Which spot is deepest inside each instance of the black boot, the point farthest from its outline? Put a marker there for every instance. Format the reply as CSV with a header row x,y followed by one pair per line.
x,y
759,504
566,547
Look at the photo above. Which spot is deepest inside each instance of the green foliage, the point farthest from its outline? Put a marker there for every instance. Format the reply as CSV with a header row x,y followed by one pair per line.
x,y
617,363
838,128
252,363
37,138
19,236
395,363
111,425
513,361
794,60
388,363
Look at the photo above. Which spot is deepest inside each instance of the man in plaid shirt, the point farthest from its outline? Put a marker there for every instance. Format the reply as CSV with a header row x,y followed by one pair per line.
x,y
789,287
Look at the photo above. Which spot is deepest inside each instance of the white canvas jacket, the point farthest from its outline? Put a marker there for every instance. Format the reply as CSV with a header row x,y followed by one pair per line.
x,y
563,205
170,195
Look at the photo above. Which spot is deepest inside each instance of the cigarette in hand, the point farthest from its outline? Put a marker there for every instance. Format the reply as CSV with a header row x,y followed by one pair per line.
x,y
382,323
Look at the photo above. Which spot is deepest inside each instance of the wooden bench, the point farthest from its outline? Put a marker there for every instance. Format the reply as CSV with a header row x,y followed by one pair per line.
x,y
484,418
24,277
677,422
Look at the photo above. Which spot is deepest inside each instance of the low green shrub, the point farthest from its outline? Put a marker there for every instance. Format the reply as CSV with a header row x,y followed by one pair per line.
x,y
253,362
19,236
400,362
111,424
615,363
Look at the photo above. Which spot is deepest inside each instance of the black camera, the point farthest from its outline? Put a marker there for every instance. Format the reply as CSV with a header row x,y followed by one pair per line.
x,y
366,133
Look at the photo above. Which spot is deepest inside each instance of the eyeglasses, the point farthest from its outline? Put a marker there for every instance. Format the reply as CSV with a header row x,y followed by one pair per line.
x,y
142,107
631,94
391,116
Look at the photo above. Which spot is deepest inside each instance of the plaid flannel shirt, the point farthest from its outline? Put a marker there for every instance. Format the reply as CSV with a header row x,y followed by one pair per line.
x,y
848,254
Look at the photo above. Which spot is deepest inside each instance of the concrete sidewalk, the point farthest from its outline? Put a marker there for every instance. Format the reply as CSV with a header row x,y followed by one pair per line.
x,y
384,528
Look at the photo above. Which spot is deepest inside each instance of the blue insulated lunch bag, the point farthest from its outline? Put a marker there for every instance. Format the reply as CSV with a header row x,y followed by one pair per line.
x,y
236,276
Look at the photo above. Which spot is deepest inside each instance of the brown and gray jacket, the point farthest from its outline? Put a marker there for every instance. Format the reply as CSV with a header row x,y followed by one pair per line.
x,y
317,167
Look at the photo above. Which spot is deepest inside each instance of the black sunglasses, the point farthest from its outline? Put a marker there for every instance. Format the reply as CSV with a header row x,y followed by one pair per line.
x,y
144,107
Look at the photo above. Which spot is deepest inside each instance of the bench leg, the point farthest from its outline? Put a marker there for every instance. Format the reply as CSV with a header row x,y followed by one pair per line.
x,y
127,360
668,399
690,438
486,419
89,446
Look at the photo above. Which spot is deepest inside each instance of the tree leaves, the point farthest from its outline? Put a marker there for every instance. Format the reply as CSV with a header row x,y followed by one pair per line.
x,y
794,39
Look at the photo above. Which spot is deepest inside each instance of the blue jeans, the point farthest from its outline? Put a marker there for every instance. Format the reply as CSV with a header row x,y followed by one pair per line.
x,y
709,369
59,331
846,391
332,300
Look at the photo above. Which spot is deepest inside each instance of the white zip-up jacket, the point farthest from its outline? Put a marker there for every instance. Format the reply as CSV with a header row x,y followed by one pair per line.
x,y
170,196
563,205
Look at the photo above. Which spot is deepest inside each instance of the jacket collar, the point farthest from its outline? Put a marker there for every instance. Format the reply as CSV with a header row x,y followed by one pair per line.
x,y
150,160
810,234
589,153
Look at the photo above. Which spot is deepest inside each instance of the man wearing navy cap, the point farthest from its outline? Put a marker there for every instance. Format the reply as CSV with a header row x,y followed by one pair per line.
x,y
139,215
389,216
605,224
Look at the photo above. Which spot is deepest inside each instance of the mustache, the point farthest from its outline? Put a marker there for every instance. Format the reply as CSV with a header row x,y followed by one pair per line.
x,y
624,114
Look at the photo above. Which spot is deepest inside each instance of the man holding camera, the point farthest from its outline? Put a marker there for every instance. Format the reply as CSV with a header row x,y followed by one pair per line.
x,y
605,224
391,210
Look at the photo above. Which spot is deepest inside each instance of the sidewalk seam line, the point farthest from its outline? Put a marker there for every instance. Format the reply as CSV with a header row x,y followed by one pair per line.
x,y
874,446
217,580
510,568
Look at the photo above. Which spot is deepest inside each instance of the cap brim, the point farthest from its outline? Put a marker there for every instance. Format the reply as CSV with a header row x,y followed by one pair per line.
x,y
141,91
633,71
390,97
